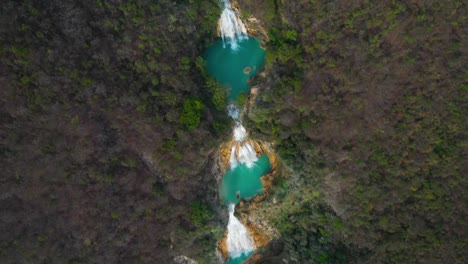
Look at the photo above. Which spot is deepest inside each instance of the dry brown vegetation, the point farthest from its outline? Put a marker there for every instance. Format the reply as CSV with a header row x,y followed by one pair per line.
x,y
367,102
109,122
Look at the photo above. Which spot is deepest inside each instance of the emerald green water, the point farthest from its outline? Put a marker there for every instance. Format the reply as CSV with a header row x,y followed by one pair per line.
x,y
244,182
227,66
233,69
240,259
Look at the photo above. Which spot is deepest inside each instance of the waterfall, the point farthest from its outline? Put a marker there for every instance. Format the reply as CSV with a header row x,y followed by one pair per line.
x,y
239,132
242,151
232,159
247,155
231,26
238,239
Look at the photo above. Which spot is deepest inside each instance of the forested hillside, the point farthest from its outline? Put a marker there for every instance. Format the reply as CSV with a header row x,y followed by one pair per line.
x,y
110,128
107,126
367,103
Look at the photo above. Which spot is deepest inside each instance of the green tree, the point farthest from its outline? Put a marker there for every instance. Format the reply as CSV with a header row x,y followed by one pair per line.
x,y
200,213
191,113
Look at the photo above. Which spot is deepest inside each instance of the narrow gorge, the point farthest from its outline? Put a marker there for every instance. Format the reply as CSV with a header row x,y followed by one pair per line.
x,y
233,131
232,61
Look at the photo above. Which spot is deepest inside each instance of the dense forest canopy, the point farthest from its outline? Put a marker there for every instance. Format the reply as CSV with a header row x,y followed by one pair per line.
x,y
110,124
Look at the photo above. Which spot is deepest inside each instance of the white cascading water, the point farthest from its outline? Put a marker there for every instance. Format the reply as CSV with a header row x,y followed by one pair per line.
x,y
247,155
238,239
239,132
232,159
233,112
231,26
242,151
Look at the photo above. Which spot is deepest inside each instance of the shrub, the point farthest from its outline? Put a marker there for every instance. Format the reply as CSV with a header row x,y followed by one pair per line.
x,y
191,114
200,213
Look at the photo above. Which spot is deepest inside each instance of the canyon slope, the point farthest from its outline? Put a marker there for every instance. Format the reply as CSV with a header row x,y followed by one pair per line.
x,y
110,127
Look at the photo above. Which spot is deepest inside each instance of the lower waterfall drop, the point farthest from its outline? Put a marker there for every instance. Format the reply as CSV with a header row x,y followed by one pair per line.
x,y
239,242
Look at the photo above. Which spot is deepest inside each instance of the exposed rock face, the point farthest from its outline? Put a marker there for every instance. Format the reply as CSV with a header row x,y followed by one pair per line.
x,y
260,238
224,155
183,260
222,246
270,254
254,26
267,179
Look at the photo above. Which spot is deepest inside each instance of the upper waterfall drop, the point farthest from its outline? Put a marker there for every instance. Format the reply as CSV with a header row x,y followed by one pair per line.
x,y
231,27
233,111
240,134
238,239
